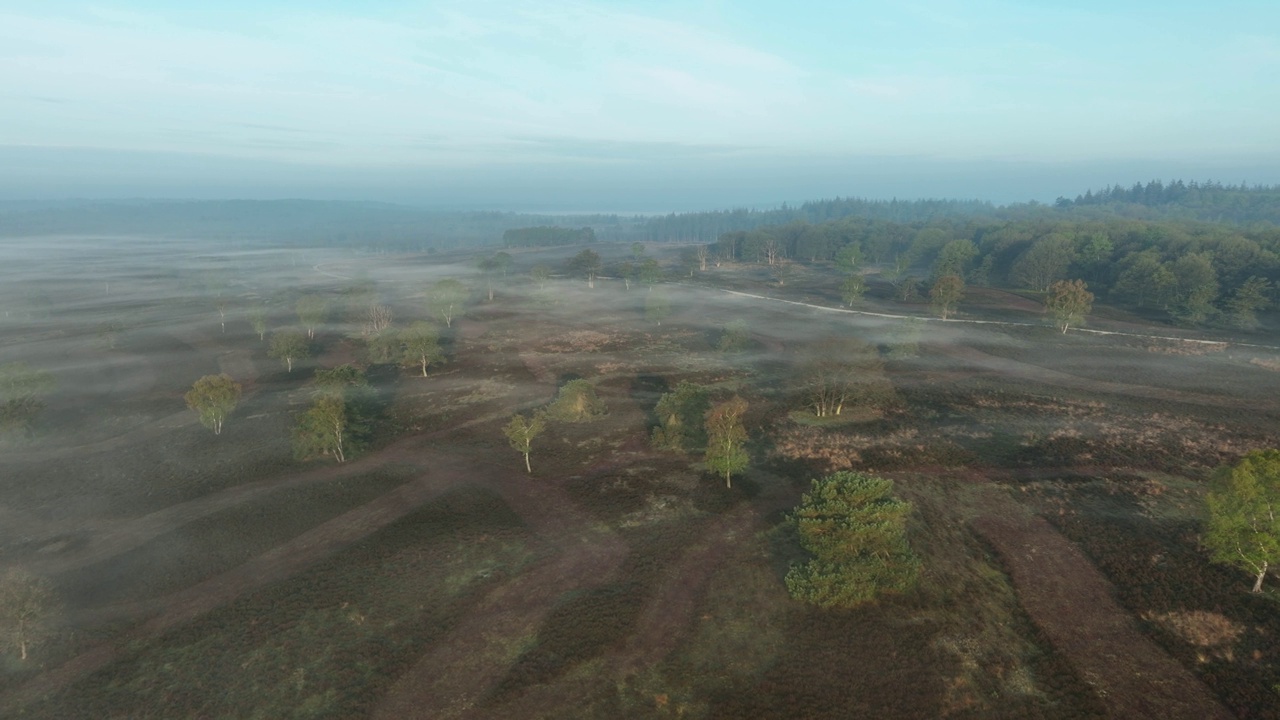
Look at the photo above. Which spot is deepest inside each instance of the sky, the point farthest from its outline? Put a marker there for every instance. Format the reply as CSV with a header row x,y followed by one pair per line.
x,y
643,106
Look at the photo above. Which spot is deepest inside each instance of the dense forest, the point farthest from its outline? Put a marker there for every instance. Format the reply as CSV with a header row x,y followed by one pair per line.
x,y
1192,273
546,236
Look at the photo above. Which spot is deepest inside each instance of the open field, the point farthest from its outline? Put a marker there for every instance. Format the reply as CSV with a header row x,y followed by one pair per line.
x,y
429,575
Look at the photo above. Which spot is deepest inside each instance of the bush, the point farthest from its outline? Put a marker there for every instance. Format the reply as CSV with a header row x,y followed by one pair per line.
x,y
576,402
856,532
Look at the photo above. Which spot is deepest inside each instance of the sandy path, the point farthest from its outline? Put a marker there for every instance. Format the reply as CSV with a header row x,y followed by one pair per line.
x,y
1074,605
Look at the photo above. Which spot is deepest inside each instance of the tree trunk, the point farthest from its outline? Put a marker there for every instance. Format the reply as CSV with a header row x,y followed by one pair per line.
x,y
728,479
526,464
289,363
22,646
424,367
1257,584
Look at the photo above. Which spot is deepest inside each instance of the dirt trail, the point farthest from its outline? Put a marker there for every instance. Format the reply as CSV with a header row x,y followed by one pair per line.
x,y
1073,604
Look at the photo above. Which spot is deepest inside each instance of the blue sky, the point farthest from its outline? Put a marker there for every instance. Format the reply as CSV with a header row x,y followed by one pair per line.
x,y
626,99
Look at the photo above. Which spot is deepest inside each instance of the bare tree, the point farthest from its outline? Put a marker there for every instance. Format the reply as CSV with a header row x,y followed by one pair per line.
x,y
377,319
703,253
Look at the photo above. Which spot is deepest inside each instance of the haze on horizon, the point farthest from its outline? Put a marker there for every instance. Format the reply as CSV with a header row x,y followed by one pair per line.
x,y
632,106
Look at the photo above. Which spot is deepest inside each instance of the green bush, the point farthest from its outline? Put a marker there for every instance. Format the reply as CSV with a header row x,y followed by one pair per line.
x,y
857,534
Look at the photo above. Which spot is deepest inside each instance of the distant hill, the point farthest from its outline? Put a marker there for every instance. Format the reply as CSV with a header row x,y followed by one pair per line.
x,y
288,222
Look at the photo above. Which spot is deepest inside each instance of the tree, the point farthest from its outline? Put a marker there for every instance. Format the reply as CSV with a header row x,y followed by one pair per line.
x,y
781,270
503,260
852,290
447,296
1196,287
946,294
576,402
637,250
377,319
726,439
1244,515
843,371
488,266
1068,302
520,433
702,252
856,531
27,603
587,265
1246,301
312,311
1044,262
384,347
323,429
849,258
954,258
213,397
540,274
222,303
650,272
657,306
289,345
421,346
258,321
22,391
680,415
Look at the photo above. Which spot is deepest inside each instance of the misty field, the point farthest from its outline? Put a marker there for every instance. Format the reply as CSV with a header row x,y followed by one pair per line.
x,y
249,573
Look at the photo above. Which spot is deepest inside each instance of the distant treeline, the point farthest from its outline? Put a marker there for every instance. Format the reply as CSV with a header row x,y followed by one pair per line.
x,y
547,235
707,226
1209,201
1194,273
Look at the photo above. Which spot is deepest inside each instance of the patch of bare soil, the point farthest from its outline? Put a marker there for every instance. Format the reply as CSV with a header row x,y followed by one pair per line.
x,y
1075,607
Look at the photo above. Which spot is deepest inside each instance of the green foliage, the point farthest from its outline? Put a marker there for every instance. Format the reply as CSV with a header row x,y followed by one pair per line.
x,y
1044,262
904,338
680,416
312,312
852,290
544,236
540,273
954,259
734,337
27,603
1242,309
446,298
521,433
1068,302
585,264
650,272
21,395
576,402
839,372
1195,288
946,294
213,397
340,381
326,429
856,531
421,346
726,439
287,346
258,321
384,347
1244,515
